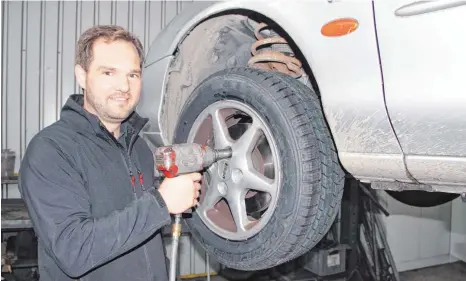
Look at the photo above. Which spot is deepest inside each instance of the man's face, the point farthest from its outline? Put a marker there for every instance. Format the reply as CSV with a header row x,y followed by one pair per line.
x,y
112,83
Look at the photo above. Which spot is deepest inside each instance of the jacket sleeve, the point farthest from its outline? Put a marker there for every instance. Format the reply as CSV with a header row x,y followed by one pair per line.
x,y
59,207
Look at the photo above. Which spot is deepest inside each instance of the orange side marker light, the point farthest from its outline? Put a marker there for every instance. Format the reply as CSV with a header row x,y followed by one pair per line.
x,y
339,27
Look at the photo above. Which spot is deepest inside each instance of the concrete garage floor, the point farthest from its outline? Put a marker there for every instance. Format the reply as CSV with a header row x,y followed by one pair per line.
x,y
448,272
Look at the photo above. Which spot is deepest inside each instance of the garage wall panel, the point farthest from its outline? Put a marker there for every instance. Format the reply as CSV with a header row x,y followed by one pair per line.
x,y
418,237
38,44
12,77
458,230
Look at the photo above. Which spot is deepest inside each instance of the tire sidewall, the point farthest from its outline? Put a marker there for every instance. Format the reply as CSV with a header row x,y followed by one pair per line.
x,y
226,87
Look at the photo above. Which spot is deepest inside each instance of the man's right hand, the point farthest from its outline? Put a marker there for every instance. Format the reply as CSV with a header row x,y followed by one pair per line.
x,y
181,193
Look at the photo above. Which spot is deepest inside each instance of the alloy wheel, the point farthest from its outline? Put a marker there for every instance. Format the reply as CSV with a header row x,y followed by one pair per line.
x,y
238,195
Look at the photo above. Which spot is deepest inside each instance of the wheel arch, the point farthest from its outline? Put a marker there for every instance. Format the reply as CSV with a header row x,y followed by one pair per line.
x,y
165,47
171,37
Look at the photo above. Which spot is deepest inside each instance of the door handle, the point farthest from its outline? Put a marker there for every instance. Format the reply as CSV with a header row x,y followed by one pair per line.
x,y
424,6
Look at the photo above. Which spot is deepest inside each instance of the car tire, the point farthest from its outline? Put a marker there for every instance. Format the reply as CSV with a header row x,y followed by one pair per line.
x,y
422,199
310,177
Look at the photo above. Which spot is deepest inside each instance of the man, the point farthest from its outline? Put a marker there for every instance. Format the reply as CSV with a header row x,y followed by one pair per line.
x,y
88,179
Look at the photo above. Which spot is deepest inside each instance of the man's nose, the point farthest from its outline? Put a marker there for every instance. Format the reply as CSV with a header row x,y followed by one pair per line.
x,y
123,84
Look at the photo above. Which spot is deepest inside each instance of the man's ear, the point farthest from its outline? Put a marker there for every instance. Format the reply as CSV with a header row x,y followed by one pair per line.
x,y
80,74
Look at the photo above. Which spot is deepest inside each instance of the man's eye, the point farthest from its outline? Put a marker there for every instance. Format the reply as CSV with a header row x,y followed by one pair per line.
x,y
134,75
107,73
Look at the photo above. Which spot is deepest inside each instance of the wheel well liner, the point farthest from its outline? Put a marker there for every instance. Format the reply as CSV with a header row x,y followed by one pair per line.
x,y
219,41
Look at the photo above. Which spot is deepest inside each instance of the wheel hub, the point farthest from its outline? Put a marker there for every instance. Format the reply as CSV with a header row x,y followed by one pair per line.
x,y
239,194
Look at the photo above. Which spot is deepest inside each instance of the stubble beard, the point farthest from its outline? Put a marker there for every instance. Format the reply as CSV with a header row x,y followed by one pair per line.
x,y
104,112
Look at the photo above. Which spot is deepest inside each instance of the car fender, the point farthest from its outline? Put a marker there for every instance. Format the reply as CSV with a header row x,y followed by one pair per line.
x,y
346,68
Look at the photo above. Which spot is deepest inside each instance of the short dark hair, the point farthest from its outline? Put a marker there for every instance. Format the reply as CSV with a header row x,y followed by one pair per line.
x,y
110,33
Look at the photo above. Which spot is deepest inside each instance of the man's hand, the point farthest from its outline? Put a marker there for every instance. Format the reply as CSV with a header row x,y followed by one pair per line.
x,y
181,193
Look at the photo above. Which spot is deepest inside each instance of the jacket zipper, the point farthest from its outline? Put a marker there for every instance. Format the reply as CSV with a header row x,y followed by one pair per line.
x,y
133,180
140,176
141,182
127,155
141,179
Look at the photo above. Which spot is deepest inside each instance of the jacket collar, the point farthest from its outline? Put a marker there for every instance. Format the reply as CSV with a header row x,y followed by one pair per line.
x,y
74,112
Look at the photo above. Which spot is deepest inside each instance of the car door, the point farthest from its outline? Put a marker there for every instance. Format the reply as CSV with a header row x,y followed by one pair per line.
x,y
422,48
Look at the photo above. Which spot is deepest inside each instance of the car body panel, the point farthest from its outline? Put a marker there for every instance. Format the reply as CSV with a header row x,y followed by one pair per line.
x,y
423,58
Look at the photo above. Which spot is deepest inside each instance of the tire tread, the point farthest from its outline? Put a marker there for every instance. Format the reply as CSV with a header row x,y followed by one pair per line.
x,y
304,110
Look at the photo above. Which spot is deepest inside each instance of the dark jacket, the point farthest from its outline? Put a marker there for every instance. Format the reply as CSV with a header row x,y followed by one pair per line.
x,y
91,221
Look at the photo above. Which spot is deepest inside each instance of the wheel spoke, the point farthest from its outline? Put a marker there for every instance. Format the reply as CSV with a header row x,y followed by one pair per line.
x,y
236,201
249,139
211,197
257,181
221,135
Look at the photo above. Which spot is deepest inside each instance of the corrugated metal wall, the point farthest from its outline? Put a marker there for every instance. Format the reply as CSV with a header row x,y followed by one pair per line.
x,y
38,54
38,68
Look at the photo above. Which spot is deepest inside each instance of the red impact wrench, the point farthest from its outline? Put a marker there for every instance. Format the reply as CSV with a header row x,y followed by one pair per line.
x,y
181,159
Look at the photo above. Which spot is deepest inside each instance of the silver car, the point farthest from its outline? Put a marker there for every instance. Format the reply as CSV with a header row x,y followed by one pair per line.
x,y
309,93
